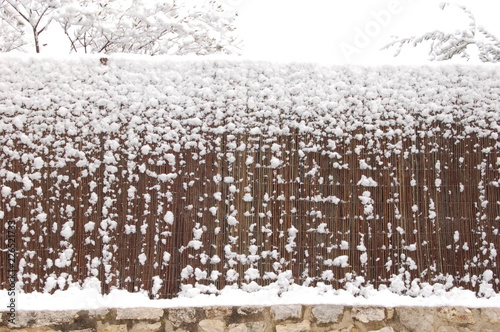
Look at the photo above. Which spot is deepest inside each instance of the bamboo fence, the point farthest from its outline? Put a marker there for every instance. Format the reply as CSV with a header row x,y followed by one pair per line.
x,y
254,207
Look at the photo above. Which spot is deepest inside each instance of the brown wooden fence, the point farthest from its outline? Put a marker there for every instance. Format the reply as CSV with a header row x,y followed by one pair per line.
x,y
158,174
422,208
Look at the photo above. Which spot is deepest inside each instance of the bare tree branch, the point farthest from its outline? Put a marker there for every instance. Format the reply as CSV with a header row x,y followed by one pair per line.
x,y
445,46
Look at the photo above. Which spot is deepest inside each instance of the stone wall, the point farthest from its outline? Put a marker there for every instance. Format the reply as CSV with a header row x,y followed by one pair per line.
x,y
279,318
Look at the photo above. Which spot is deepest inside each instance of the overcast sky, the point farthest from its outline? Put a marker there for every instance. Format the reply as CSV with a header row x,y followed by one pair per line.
x,y
340,31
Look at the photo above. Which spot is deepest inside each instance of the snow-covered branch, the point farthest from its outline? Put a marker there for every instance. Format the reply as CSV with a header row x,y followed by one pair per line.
x,y
17,15
148,27
445,46
140,26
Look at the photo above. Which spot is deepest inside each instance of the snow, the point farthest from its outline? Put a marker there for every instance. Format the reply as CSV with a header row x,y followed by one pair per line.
x,y
142,258
232,221
90,298
367,201
275,162
325,97
341,261
67,230
169,217
38,162
6,191
143,111
367,182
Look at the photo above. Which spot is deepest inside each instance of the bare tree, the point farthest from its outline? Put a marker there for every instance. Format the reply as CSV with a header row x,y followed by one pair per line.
x,y
94,26
148,27
13,36
36,15
109,26
445,46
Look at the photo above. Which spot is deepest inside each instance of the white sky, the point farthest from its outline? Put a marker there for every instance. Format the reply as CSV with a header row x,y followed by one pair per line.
x,y
318,30
342,31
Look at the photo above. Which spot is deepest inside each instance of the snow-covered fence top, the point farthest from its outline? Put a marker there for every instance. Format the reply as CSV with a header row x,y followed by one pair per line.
x,y
161,174
184,99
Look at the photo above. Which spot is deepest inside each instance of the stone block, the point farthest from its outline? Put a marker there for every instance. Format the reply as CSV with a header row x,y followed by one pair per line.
x,y
457,315
101,312
284,312
384,329
44,318
238,328
114,328
390,313
169,327
211,325
368,314
491,315
304,326
146,327
446,329
248,327
416,319
346,329
250,310
256,327
139,313
179,316
37,329
327,313
218,312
